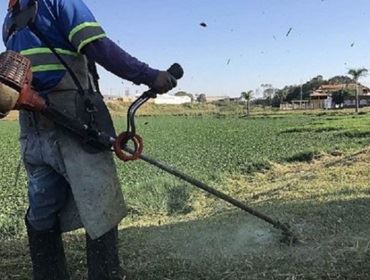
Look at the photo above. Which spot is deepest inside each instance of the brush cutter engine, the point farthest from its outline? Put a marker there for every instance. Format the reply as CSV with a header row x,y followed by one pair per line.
x,y
16,92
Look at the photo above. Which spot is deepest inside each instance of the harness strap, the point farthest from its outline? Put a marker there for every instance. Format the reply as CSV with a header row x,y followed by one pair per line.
x,y
12,4
91,64
20,18
47,43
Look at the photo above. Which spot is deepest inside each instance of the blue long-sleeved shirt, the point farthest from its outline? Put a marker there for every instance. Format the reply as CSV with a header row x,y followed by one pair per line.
x,y
106,53
73,30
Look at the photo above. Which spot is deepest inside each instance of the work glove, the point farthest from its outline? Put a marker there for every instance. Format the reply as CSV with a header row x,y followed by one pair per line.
x,y
164,82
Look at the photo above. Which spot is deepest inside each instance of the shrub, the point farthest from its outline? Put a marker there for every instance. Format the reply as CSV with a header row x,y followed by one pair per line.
x,y
161,195
252,167
178,200
305,156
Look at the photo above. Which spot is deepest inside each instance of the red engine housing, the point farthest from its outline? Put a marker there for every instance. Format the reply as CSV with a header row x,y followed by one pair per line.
x,y
28,98
16,72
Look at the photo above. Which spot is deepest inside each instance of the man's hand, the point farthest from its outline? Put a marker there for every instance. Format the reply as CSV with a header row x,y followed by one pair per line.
x,y
164,82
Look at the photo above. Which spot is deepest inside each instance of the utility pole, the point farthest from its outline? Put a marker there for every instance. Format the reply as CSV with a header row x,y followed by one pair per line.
x,y
301,95
127,92
267,89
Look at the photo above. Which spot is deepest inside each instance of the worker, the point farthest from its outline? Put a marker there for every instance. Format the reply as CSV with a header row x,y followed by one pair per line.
x,y
71,184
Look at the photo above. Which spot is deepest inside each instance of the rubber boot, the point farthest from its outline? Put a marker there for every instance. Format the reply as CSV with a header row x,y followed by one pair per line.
x,y
47,254
102,257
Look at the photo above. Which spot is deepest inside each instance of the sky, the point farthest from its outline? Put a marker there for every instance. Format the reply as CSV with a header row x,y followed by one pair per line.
x,y
246,43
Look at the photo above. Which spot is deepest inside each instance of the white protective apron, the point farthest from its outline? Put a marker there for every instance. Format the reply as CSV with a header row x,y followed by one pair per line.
x,y
96,202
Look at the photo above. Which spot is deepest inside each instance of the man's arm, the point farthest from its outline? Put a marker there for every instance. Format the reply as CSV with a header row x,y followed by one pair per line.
x,y
106,53
89,38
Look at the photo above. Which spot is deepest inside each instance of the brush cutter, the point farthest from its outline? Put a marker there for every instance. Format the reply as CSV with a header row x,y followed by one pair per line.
x,y
16,93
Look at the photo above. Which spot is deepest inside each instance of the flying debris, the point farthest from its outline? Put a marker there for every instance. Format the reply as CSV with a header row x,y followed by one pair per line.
x,y
228,61
203,24
353,43
290,30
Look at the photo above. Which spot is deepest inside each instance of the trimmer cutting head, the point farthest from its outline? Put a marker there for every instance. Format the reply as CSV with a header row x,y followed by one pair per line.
x,y
289,238
15,73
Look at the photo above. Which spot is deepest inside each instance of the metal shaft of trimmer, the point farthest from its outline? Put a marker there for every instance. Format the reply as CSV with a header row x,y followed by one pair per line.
x,y
286,231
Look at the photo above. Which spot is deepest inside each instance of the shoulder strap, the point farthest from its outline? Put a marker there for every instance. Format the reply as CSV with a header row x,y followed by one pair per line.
x,y
47,43
20,18
91,64
13,4
94,75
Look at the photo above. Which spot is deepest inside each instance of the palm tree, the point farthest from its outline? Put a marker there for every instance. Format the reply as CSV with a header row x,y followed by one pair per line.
x,y
247,96
356,74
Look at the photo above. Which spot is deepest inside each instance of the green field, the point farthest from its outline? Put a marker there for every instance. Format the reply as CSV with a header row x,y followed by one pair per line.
x,y
303,169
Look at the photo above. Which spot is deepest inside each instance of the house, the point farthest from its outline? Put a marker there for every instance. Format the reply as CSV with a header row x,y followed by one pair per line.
x,y
350,101
321,97
300,104
171,99
216,98
349,87
318,99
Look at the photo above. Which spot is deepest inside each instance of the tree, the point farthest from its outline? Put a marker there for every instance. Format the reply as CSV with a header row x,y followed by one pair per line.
x,y
356,74
279,97
202,98
340,80
247,96
183,93
339,96
268,92
293,92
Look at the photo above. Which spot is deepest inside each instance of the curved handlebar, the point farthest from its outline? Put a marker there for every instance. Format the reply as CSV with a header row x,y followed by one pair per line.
x,y
121,141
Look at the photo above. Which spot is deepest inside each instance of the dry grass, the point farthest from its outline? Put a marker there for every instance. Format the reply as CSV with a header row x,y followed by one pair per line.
x,y
326,201
12,116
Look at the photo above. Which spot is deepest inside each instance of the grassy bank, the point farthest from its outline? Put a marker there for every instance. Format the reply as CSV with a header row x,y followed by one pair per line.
x,y
194,109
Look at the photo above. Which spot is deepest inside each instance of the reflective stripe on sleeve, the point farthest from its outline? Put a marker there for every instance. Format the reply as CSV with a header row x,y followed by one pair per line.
x,y
89,40
85,33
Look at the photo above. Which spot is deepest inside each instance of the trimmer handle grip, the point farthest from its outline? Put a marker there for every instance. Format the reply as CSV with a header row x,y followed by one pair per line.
x,y
176,71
